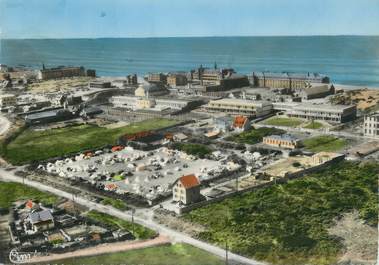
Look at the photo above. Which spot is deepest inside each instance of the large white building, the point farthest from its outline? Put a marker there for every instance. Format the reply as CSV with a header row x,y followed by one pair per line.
x,y
326,112
158,103
240,107
371,125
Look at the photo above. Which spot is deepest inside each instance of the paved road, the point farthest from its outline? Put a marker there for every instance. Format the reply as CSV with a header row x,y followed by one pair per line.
x,y
143,217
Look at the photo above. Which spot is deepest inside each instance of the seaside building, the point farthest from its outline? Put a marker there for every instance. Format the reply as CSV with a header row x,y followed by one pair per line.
x,y
282,141
240,106
157,103
314,91
286,80
186,190
157,78
326,112
99,84
371,125
177,79
131,80
60,72
146,90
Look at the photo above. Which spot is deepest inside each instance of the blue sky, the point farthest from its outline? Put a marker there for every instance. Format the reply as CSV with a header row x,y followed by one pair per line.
x,y
170,18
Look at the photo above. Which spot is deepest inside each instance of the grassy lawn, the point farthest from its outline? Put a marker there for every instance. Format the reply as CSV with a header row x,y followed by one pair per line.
x,y
11,192
254,136
283,121
287,223
116,203
314,125
39,145
140,231
198,150
177,254
324,143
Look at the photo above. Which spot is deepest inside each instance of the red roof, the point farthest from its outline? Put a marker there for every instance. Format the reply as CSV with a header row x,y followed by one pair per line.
x,y
239,121
29,204
189,181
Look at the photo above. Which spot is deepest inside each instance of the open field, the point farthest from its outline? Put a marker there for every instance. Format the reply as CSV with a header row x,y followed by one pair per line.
x,y
314,125
65,84
116,203
254,136
324,143
288,223
39,145
198,150
176,254
283,121
139,231
11,192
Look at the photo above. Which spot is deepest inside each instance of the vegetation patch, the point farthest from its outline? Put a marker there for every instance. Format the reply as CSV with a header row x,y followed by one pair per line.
x,y
324,143
284,121
33,145
139,231
11,192
198,150
116,203
288,223
175,254
255,135
314,125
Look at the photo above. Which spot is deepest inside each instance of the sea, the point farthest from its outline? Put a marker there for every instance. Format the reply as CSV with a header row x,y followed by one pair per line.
x,y
348,60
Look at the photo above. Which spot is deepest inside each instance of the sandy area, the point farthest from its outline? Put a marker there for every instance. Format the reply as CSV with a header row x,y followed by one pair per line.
x,y
359,239
104,249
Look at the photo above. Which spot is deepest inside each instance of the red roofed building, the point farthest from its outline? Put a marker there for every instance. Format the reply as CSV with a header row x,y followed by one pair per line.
x,y
29,204
241,123
186,189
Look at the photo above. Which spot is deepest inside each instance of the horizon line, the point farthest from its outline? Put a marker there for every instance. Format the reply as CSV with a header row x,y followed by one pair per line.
x,y
195,36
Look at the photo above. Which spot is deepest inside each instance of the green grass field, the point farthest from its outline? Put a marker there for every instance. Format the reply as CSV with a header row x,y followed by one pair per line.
x,y
116,203
140,232
288,223
254,136
198,150
11,192
283,121
39,145
324,143
314,125
176,254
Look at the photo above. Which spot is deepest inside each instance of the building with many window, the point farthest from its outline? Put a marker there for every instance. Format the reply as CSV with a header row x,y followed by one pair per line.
x,y
60,72
177,79
371,125
157,78
186,190
286,80
282,141
240,107
326,112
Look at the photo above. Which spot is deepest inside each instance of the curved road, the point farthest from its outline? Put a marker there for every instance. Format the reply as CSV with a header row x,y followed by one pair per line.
x,y
142,217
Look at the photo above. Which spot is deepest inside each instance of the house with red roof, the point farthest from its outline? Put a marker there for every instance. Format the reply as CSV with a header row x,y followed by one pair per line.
x,y
241,123
186,189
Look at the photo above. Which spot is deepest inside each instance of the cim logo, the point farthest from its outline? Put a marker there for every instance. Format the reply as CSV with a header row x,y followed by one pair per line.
x,y
21,257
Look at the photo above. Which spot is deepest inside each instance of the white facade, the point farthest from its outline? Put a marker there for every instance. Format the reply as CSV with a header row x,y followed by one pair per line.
x,y
240,106
371,125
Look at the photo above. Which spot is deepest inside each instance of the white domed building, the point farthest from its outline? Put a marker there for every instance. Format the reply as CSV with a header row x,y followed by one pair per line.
x,y
145,90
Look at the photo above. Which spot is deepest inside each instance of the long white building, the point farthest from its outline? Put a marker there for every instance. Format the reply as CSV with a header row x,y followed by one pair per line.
x,y
371,125
240,107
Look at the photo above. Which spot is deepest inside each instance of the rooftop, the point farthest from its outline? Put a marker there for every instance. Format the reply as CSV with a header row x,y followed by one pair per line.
x,y
41,216
189,181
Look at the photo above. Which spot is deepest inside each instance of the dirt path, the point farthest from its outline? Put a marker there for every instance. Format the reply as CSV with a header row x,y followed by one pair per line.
x,y
104,249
